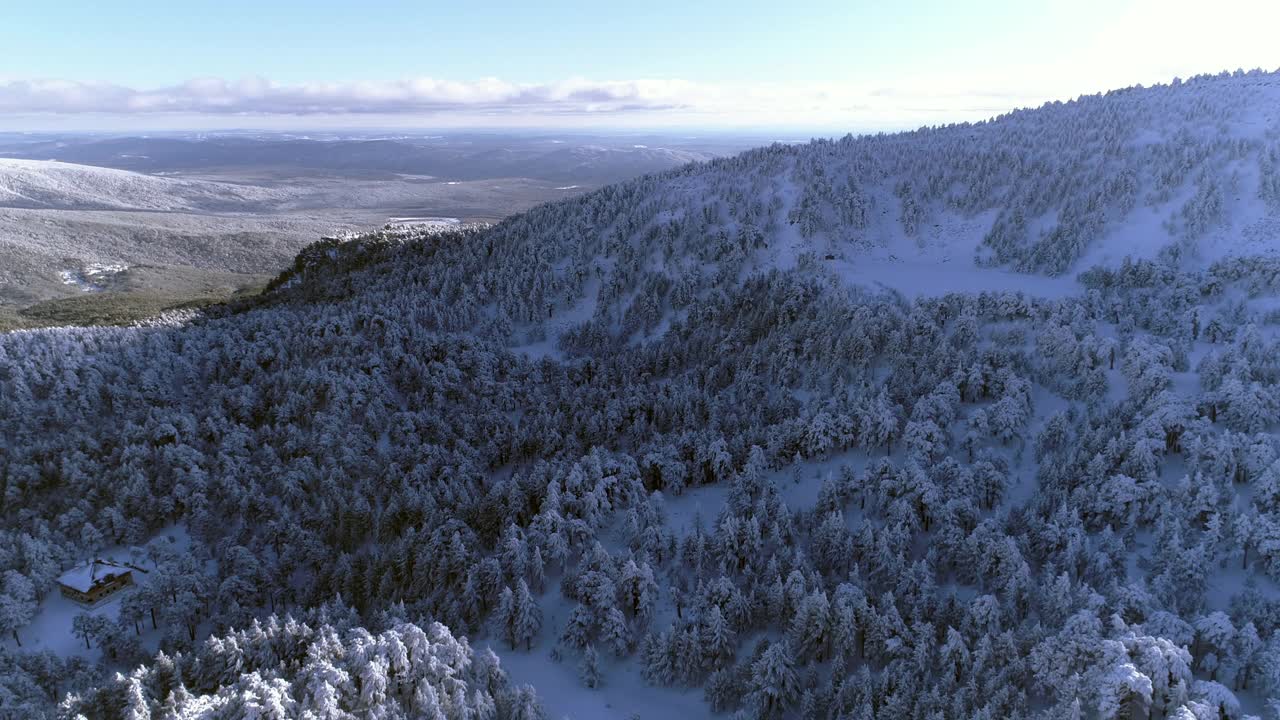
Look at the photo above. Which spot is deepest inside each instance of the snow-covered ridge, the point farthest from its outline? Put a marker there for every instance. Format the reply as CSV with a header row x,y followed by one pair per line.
x,y
1189,169
41,184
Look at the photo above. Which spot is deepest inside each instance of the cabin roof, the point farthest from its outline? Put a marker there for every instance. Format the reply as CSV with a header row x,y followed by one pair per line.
x,y
84,577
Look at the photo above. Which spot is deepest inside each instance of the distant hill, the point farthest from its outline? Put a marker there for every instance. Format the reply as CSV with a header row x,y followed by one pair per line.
x,y
43,184
69,230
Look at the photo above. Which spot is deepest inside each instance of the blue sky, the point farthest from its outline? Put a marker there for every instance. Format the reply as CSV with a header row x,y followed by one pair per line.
x,y
861,65
150,43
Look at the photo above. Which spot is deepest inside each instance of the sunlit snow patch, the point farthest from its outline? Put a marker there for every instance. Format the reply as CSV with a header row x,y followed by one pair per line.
x,y
93,276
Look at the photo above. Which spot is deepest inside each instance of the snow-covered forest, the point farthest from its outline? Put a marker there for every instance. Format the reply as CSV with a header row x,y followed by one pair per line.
x,y
664,440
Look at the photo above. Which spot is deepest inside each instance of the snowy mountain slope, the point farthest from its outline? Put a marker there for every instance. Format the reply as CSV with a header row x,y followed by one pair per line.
x,y
39,184
1187,167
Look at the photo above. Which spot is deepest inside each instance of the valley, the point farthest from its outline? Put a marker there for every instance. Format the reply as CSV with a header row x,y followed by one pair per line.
x,y
213,220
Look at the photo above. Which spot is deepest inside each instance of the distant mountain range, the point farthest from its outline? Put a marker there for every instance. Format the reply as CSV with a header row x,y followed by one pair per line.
x,y
582,160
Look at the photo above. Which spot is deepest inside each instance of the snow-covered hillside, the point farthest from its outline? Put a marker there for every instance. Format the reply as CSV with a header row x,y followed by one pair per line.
x,y
1190,170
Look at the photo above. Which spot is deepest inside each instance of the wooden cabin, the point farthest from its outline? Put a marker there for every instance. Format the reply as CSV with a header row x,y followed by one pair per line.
x,y
95,581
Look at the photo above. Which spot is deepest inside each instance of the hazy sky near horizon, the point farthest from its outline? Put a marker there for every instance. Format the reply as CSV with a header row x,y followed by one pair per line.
x,y
821,65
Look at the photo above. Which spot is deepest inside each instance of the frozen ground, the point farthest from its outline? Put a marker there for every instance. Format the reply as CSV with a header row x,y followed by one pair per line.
x,y
623,695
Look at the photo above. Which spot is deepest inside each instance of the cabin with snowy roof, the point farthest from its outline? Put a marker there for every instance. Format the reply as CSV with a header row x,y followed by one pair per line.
x,y
95,580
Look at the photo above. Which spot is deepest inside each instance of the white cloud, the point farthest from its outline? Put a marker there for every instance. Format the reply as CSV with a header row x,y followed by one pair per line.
x,y
416,95
941,96
493,101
